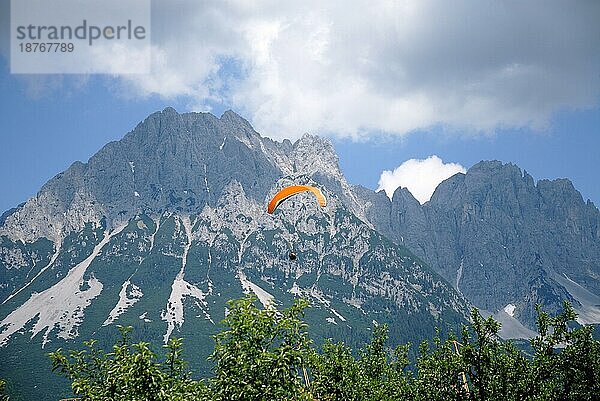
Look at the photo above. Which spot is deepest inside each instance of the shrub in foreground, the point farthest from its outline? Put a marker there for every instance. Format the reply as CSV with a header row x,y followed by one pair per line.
x,y
265,354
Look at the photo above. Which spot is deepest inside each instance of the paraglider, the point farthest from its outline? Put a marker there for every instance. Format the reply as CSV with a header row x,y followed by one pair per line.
x,y
287,193
292,190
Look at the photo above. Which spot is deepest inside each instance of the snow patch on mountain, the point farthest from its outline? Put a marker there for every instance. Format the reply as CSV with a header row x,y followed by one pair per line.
x,y
245,140
342,318
153,236
248,286
510,310
459,274
173,315
319,296
180,288
144,317
126,300
50,263
187,225
295,290
62,305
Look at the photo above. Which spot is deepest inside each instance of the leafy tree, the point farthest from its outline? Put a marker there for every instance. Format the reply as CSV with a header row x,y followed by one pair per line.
x,y
496,369
439,372
129,372
566,364
377,374
265,354
261,354
3,395
336,373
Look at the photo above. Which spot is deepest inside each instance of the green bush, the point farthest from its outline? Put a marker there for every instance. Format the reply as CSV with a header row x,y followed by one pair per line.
x,y
266,355
3,395
261,354
130,372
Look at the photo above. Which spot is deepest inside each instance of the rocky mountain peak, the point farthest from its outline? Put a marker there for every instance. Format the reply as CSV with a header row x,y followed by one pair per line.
x,y
313,154
234,119
403,195
178,162
169,111
170,161
493,224
494,227
494,169
448,190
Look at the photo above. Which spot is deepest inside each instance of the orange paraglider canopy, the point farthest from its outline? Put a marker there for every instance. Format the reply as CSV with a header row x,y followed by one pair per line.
x,y
292,190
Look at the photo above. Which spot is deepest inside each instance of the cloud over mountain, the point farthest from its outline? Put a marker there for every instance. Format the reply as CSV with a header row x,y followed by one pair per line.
x,y
421,177
353,68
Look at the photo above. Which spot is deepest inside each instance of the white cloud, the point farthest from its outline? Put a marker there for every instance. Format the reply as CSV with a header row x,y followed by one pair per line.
x,y
420,177
354,68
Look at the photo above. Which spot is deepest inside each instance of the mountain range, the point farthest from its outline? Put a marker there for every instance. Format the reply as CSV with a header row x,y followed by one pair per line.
x,y
159,229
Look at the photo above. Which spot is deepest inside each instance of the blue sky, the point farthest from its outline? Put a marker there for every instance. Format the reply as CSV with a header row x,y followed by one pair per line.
x,y
526,90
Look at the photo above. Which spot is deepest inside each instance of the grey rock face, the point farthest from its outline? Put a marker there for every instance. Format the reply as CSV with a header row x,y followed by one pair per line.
x,y
197,165
494,234
501,239
170,161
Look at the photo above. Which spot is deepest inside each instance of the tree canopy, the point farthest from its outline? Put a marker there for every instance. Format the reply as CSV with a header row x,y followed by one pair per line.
x,y
266,354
